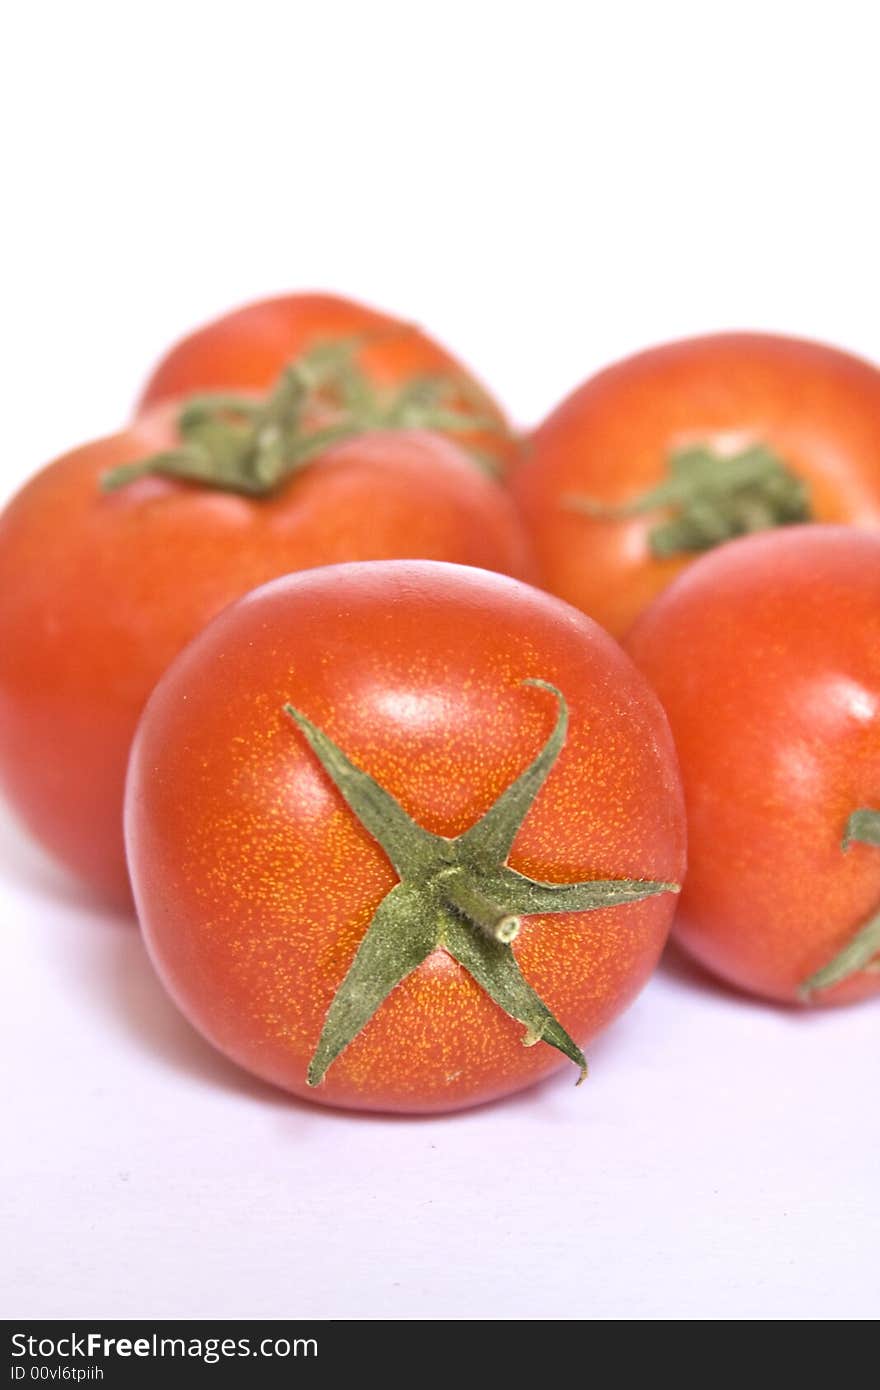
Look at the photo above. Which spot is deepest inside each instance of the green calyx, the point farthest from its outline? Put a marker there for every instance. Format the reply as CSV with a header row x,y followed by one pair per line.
x,y
713,498
252,446
862,953
456,895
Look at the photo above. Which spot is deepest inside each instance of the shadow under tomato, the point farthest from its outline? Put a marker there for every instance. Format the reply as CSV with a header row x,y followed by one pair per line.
x,y
678,966
131,990
25,865
138,1003
114,977
125,984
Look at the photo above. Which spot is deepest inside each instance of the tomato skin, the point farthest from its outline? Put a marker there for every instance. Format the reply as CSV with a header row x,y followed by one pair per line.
x,y
254,883
817,408
766,656
98,592
248,348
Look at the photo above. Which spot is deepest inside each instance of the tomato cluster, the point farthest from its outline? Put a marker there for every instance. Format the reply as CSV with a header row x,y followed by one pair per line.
x,y
395,802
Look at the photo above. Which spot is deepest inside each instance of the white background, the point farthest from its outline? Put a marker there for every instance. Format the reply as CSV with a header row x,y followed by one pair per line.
x,y
545,186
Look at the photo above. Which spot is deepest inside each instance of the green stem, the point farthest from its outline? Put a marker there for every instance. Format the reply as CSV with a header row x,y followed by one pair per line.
x,y
495,922
250,446
449,897
859,954
712,497
198,410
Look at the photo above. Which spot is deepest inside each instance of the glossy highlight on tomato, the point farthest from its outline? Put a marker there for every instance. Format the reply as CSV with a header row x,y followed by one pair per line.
x,y
256,883
681,447
766,656
99,591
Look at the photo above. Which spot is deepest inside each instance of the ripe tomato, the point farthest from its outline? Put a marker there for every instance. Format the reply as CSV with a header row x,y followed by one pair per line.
x,y
676,449
766,655
250,347
98,591
314,922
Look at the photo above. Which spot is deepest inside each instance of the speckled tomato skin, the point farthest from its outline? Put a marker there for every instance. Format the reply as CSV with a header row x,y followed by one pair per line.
x,y
816,407
255,883
248,348
98,592
766,656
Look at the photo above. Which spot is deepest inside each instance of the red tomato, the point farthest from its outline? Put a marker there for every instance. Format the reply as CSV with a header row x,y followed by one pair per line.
x,y
249,348
98,591
303,943
766,655
675,449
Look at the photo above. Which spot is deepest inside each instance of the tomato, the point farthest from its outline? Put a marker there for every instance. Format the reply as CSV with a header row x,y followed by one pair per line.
x,y
249,348
324,793
99,590
766,655
676,449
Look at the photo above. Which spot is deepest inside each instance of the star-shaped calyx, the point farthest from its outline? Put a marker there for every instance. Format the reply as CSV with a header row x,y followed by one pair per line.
x,y
252,445
459,895
712,497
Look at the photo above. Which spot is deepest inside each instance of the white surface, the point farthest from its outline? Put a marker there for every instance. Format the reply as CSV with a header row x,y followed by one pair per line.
x,y
546,188
720,1163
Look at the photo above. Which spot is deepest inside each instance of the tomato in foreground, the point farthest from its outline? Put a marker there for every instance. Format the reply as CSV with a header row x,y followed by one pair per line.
x,y
766,655
388,822
677,449
100,589
394,367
